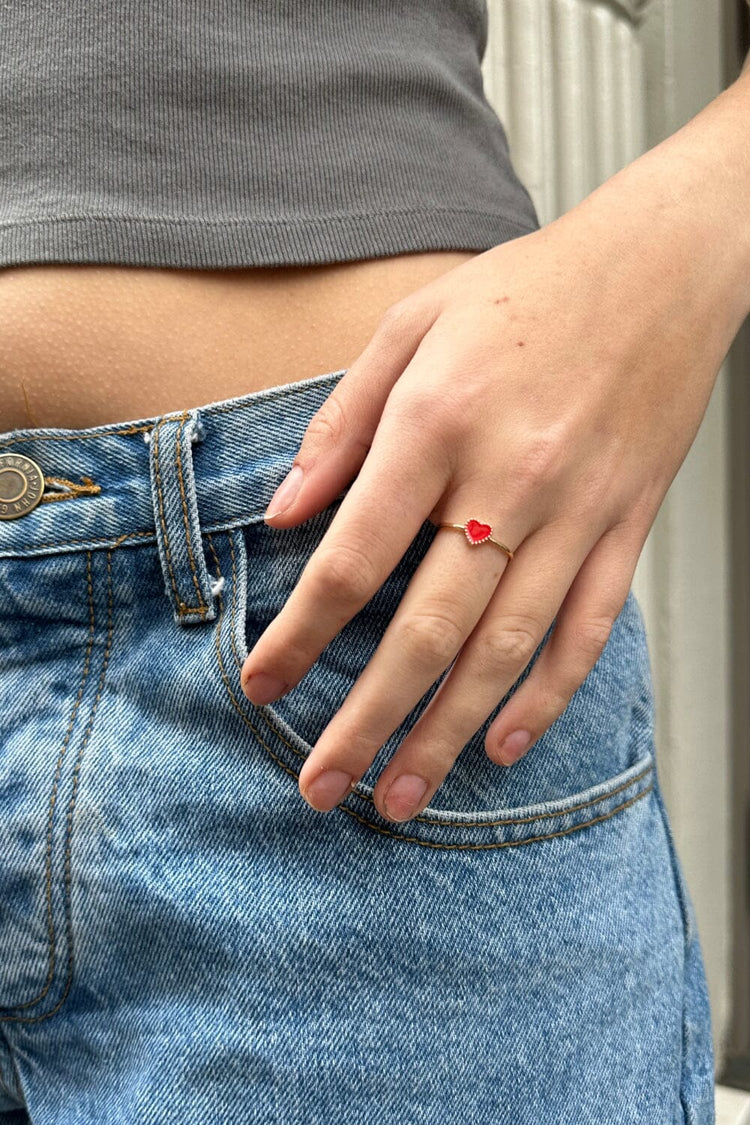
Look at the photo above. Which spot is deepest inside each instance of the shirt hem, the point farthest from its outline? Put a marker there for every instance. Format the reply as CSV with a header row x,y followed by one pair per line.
x,y
200,243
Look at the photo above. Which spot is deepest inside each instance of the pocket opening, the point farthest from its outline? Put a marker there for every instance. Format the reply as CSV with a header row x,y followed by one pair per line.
x,y
494,825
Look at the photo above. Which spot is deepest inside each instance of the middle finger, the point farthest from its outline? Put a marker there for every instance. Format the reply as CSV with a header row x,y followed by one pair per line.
x,y
433,619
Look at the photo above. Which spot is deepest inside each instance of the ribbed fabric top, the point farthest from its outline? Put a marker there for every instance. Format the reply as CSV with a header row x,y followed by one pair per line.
x,y
182,133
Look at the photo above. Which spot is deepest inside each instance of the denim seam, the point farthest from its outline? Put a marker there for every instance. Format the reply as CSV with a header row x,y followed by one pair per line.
x,y
77,437
7,1051
51,936
351,812
103,539
686,936
524,819
182,609
501,843
223,525
186,518
71,810
155,447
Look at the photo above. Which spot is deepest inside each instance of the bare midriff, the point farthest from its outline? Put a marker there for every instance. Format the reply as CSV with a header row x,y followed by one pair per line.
x,y
84,345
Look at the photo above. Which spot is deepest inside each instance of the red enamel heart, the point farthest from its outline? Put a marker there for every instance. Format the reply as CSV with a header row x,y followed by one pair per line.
x,y
476,532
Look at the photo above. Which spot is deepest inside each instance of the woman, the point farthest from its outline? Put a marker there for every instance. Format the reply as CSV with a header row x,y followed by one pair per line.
x,y
290,240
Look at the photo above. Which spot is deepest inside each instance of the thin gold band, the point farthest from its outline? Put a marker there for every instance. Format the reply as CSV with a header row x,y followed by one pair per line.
x,y
476,540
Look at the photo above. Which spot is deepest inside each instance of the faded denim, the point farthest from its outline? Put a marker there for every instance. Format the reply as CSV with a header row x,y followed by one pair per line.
x,y
182,939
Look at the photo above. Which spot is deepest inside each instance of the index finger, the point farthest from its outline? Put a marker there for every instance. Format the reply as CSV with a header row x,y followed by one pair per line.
x,y
378,518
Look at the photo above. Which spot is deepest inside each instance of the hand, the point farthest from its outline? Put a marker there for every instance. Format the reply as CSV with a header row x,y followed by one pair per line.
x,y
551,387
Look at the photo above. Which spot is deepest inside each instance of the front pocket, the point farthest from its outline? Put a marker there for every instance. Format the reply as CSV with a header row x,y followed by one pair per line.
x,y
594,761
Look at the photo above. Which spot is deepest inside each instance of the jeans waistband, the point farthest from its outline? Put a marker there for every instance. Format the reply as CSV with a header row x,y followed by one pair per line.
x,y
167,479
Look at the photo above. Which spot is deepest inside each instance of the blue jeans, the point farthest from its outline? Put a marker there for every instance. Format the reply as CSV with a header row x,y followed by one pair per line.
x,y
183,939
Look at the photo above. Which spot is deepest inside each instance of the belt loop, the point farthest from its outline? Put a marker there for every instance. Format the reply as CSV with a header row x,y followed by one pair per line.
x,y
178,530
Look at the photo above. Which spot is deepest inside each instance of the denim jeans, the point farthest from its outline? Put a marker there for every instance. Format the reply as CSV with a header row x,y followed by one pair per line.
x,y
183,939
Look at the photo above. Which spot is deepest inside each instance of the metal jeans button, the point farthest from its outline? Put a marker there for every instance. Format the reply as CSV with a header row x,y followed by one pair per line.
x,y
21,485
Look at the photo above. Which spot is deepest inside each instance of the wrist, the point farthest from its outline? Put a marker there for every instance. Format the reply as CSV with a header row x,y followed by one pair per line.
x,y
684,208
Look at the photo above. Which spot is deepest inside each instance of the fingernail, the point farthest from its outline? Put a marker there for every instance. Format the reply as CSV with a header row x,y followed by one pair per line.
x,y
328,789
285,493
513,747
403,797
262,688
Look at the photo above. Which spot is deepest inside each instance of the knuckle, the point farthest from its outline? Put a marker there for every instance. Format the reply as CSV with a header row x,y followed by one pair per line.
x,y
431,638
591,635
556,696
328,425
424,415
397,319
361,744
288,660
414,402
512,644
539,462
344,573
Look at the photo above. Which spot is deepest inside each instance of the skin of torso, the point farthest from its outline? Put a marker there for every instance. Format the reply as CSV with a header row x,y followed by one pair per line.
x,y
85,345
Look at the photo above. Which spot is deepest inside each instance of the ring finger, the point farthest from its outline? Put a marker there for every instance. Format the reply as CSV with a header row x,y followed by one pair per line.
x,y
511,629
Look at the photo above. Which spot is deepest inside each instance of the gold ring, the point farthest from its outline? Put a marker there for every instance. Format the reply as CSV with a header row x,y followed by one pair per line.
x,y
477,532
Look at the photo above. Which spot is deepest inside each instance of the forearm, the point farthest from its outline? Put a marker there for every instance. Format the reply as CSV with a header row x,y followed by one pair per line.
x,y
681,211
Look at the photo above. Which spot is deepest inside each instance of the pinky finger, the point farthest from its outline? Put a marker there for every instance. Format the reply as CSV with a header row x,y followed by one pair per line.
x,y
582,628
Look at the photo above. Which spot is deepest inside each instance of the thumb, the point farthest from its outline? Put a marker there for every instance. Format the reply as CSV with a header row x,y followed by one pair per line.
x,y
340,433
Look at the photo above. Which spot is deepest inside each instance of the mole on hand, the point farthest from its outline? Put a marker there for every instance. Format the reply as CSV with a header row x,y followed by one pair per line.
x,y
499,300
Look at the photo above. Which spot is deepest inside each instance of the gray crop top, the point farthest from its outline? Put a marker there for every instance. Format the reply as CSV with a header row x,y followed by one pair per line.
x,y
182,133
